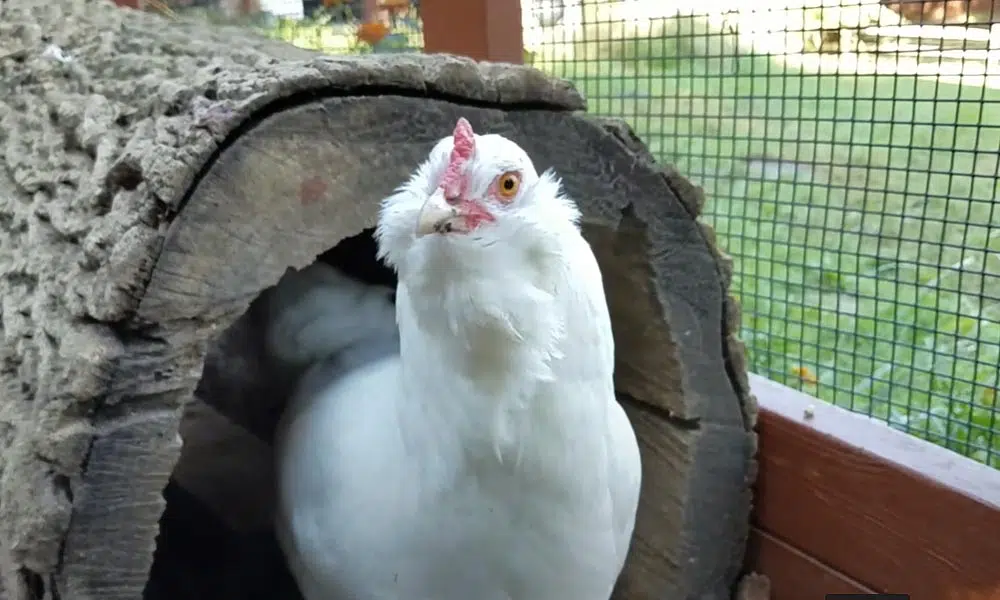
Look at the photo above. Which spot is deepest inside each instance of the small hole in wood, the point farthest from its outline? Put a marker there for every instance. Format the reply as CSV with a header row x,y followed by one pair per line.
x,y
216,540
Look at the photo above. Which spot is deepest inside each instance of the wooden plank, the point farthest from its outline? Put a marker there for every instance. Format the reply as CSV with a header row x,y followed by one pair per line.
x,y
893,512
793,574
480,29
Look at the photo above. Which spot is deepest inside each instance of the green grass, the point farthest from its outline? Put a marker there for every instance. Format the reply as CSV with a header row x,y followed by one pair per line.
x,y
858,210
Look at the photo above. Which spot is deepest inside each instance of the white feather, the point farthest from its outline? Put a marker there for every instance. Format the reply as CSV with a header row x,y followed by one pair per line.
x,y
318,312
489,459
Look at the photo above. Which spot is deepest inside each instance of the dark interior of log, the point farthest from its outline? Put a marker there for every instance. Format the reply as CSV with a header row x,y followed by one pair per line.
x,y
197,557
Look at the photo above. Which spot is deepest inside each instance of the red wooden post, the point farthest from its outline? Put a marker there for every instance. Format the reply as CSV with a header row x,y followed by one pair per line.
x,y
480,29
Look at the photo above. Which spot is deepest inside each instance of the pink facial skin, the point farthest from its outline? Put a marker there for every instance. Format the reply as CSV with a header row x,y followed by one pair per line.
x,y
475,214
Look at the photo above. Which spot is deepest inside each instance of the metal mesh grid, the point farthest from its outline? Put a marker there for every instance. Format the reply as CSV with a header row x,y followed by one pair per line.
x,y
849,152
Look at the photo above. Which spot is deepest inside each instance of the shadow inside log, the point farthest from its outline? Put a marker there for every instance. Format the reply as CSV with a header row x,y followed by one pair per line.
x,y
215,540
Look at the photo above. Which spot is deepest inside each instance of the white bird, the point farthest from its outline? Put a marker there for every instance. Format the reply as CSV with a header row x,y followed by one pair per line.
x,y
487,458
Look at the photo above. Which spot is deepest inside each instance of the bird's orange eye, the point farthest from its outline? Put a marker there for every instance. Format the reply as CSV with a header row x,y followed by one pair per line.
x,y
508,184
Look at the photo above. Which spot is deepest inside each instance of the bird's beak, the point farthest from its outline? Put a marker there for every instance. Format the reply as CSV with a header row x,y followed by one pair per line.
x,y
437,216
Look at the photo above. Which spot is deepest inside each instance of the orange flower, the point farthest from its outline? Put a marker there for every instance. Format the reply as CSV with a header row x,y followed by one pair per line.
x,y
805,375
372,32
332,3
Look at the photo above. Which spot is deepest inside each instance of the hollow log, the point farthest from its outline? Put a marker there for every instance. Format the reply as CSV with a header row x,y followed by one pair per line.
x,y
157,176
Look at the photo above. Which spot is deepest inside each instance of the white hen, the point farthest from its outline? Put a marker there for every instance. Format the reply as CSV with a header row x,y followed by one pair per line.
x,y
488,459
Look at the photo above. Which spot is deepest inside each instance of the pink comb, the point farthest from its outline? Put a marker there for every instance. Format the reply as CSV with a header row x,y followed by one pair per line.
x,y
465,146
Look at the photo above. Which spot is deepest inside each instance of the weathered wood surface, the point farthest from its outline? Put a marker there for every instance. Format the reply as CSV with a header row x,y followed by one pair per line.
x,y
792,573
162,177
847,504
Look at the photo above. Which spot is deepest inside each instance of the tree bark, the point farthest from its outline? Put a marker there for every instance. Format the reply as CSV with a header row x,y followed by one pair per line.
x,y
157,176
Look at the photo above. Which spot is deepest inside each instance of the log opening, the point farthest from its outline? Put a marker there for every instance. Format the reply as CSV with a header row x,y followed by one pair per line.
x,y
148,208
215,539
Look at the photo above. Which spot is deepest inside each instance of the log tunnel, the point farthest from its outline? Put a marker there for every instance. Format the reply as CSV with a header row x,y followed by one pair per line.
x,y
158,176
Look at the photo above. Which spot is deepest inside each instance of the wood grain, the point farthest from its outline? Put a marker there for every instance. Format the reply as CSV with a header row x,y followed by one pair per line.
x,y
793,574
669,540
479,29
891,511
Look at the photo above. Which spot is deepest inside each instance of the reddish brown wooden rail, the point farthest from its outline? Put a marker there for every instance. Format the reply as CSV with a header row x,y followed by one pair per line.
x,y
846,503
481,29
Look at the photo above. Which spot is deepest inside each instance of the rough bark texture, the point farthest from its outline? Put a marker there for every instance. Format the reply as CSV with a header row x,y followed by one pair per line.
x,y
157,176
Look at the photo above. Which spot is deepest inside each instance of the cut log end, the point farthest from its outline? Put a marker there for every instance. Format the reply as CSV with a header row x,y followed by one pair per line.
x,y
128,281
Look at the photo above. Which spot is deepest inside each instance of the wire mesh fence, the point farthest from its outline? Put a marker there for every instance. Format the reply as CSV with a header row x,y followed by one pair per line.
x,y
849,152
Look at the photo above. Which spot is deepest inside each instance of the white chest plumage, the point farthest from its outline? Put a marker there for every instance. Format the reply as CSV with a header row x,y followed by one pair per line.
x,y
394,508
